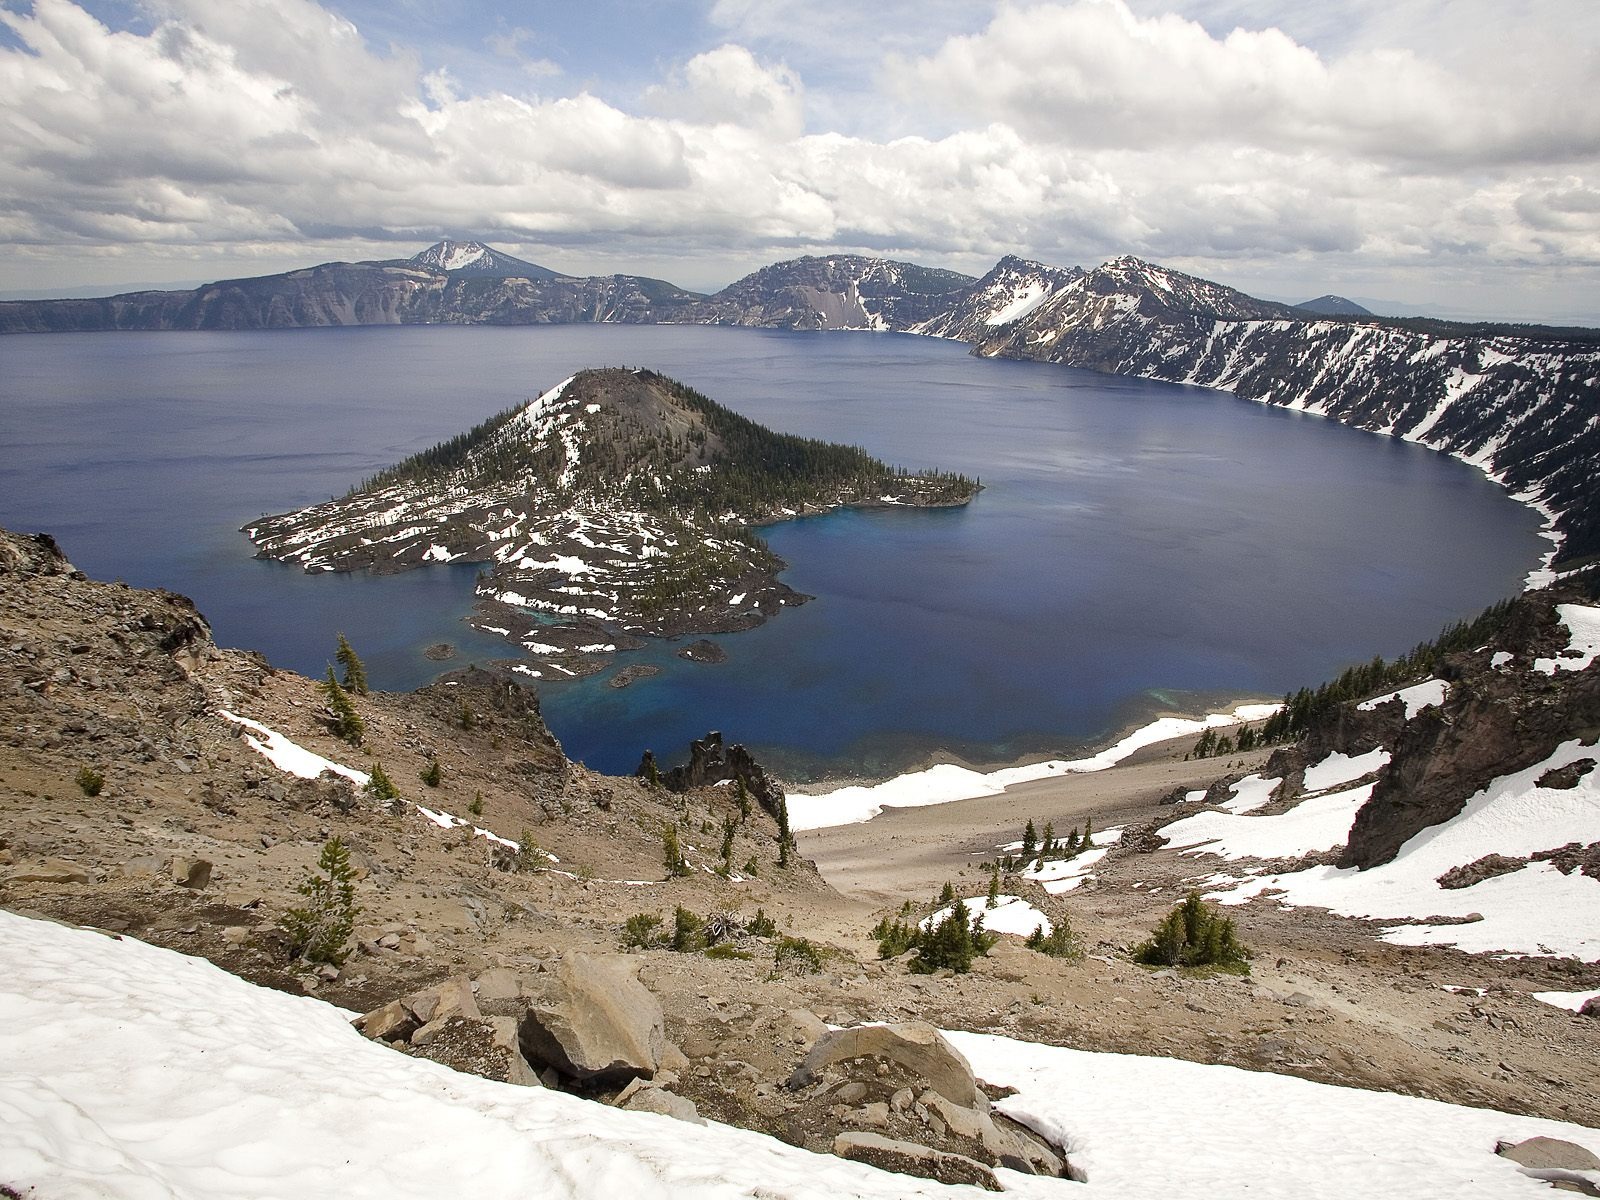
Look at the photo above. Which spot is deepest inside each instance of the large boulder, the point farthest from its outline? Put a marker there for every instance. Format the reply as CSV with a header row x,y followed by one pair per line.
x,y
915,1045
908,1158
594,1023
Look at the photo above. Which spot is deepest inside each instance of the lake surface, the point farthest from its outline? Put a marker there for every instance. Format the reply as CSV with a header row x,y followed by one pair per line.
x,y
1139,547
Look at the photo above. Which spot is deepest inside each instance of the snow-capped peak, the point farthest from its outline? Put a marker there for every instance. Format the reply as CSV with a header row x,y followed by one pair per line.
x,y
451,256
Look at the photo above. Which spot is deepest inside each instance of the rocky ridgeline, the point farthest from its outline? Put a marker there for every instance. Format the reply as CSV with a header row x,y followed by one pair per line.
x,y
614,506
1520,404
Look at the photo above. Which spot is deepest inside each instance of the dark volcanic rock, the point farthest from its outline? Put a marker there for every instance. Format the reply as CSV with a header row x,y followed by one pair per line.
x,y
711,763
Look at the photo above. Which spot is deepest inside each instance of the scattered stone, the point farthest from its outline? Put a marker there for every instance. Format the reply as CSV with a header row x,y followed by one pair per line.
x,y
191,873
907,1158
915,1045
51,870
665,1103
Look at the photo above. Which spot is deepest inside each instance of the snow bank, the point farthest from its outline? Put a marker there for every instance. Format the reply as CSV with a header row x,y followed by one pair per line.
x,y
1583,623
289,757
1572,1001
1419,696
1340,768
946,782
1011,914
131,1071
1535,910
1250,793
1156,1127
1320,823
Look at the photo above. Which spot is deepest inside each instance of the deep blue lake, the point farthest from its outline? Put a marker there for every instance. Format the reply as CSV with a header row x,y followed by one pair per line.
x,y
1140,547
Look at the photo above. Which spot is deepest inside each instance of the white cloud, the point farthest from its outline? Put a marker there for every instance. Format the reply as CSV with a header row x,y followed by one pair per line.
x,y
1094,74
1069,132
728,86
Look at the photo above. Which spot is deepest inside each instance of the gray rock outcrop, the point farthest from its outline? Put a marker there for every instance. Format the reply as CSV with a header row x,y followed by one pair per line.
x,y
594,1023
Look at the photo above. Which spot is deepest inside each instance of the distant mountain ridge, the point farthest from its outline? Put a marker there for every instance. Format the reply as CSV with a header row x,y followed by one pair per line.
x,y
1334,306
1520,401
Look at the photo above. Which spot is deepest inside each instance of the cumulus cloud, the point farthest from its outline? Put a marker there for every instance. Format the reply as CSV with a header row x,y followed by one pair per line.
x,y
1068,132
1094,74
728,86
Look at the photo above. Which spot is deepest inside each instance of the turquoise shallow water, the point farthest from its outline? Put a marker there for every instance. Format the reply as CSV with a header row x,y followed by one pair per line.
x,y
1138,545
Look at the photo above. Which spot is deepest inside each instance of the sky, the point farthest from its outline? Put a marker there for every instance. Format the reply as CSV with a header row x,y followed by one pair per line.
x,y
1440,154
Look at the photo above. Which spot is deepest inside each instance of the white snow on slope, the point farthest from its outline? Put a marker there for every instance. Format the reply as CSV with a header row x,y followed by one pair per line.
x,y
1250,793
947,782
1416,698
127,1071
1535,910
1320,823
289,757
1340,768
1065,875
130,1071
1583,622
1571,1001
1011,914
1024,300
1156,1127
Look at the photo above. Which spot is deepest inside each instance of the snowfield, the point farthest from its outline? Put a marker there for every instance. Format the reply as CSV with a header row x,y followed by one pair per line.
x,y
1534,910
131,1071
947,782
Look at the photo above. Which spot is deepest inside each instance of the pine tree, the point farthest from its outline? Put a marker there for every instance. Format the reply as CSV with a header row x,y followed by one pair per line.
x,y
728,828
947,894
994,890
355,674
742,795
785,837
319,929
1049,846
346,722
431,774
380,786
1030,839
672,853
1088,833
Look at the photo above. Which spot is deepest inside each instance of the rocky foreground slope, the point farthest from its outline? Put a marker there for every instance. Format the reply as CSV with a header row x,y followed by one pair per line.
x,y
616,505
157,786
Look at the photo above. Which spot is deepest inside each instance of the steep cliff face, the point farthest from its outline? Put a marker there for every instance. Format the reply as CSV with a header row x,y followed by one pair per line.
x,y
1506,707
1009,292
1524,408
841,291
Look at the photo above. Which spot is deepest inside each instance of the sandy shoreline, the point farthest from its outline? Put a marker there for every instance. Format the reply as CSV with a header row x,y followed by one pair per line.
x,y
946,781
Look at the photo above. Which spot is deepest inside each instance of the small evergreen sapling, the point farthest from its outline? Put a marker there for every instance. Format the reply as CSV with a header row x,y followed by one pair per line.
x,y
380,787
90,781
431,774
993,900
346,721
1194,935
355,674
785,837
672,853
319,928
